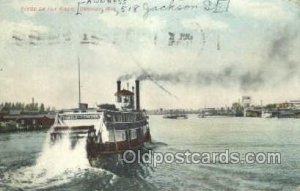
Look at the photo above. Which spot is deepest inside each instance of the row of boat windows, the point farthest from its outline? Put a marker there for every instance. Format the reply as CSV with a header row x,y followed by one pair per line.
x,y
124,117
128,134
125,126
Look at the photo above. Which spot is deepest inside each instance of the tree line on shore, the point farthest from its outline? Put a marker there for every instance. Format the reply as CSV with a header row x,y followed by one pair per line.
x,y
8,106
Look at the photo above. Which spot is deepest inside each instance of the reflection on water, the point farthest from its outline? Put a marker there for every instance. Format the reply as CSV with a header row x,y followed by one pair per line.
x,y
5,137
28,164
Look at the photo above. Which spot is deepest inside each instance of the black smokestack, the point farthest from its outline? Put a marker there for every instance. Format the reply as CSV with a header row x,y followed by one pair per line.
x,y
118,90
118,85
133,99
137,94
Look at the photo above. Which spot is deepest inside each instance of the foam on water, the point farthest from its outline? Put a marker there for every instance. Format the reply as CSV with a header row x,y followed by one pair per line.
x,y
57,164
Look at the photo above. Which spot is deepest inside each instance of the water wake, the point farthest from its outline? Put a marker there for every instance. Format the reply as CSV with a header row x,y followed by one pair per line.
x,y
57,164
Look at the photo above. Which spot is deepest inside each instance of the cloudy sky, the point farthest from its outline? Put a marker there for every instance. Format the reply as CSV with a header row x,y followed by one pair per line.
x,y
189,58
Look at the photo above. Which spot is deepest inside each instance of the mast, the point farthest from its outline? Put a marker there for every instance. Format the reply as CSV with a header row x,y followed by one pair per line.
x,y
79,91
218,41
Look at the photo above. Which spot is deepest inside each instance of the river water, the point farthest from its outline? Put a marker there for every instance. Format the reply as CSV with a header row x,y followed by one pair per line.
x,y
27,162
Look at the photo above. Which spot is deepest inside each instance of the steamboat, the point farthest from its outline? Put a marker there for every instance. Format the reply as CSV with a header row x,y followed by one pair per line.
x,y
108,129
175,116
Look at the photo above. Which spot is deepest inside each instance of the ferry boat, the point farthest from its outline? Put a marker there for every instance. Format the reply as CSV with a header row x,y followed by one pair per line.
x,y
176,115
215,113
108,129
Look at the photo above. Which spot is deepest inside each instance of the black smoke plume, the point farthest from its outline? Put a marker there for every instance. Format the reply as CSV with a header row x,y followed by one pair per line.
x,y
278,67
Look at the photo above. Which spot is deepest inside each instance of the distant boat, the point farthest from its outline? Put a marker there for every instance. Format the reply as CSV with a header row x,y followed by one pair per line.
x,y
266,114
215,113
175,115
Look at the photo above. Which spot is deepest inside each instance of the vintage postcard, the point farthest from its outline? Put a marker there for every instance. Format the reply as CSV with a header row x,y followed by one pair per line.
x,y
149,95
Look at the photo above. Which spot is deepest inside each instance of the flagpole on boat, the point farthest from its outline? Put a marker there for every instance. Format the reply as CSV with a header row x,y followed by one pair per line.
x,y
79,91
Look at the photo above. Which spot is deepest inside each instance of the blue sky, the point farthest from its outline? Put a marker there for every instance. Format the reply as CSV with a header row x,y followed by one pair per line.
x,y
250,50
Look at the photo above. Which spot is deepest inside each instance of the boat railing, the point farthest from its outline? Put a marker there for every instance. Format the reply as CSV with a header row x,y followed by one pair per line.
x,y
127,122
122,111
124,117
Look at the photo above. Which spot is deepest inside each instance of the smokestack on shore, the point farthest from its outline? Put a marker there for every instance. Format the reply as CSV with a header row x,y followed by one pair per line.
x,y
137,94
